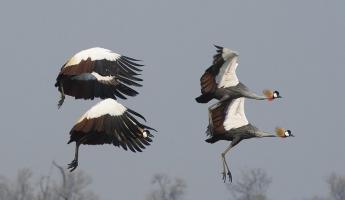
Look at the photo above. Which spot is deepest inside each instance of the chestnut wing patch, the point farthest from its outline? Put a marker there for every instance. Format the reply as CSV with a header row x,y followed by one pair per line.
x,y
208,83
218,115
208,79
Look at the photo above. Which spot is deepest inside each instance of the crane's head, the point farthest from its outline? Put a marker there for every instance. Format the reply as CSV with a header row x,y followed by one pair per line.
x,y
270,94
281,132
145,133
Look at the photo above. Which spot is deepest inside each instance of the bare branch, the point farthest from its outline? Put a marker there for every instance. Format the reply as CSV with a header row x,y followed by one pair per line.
x,y
337,186
72,187
252,185
4,188
167,189
62,190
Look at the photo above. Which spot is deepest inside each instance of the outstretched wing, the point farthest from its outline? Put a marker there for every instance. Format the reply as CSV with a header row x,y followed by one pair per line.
x,y
110,122
102,61
222,73
99,72
235,116
227,115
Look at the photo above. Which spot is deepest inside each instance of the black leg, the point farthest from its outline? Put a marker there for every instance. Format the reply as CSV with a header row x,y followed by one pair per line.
x,y
62,96
74,164
226,170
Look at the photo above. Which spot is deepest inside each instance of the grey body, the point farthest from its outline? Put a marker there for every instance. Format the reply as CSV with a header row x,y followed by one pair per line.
x,y
244,132
234,92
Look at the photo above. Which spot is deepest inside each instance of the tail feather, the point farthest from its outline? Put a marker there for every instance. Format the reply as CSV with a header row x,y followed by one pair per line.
x,y
204,98
209,132
211,140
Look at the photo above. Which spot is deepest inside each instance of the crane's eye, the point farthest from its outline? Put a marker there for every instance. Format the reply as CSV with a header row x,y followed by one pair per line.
x,y
275,94
287,133
145,134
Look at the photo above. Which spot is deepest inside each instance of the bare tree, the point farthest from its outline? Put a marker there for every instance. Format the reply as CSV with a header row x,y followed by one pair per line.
x,y
45,189
251,186
166,188
72,186
4,188
318,198
20,189
336,186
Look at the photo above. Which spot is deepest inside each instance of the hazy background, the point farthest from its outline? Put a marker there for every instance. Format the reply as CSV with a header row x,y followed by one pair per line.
x,y
296,47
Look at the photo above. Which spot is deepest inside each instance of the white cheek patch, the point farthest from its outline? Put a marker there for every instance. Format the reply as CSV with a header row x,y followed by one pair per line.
x,y
275,95
287,134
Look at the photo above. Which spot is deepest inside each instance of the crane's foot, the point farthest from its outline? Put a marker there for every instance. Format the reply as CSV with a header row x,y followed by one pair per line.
x,y
73,165
230,176
227,175
224,176
61,101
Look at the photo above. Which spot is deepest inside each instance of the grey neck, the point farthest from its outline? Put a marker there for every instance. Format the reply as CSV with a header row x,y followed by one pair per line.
x,y
264,134
252,95
249,94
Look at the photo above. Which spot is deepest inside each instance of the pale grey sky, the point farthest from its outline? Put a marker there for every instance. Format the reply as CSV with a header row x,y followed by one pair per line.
x,y
297,47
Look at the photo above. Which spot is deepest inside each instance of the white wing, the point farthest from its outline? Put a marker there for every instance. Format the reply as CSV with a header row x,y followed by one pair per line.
x,y
107,106
235,116
96,53
227,73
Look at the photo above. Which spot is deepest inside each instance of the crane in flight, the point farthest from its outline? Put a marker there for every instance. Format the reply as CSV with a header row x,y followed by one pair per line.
x,y
220,81
227,121
109,122
98,72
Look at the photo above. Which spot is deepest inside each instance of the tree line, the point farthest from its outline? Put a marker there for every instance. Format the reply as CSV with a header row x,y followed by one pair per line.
x,y
252,185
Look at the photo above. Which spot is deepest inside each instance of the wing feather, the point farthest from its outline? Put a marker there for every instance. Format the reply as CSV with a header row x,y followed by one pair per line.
x,y
235,116
227,74
217,118
222,72
226,116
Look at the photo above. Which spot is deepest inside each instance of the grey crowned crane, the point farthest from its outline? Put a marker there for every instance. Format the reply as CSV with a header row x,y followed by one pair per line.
x,y
227,121
98,72
220,81
109,122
